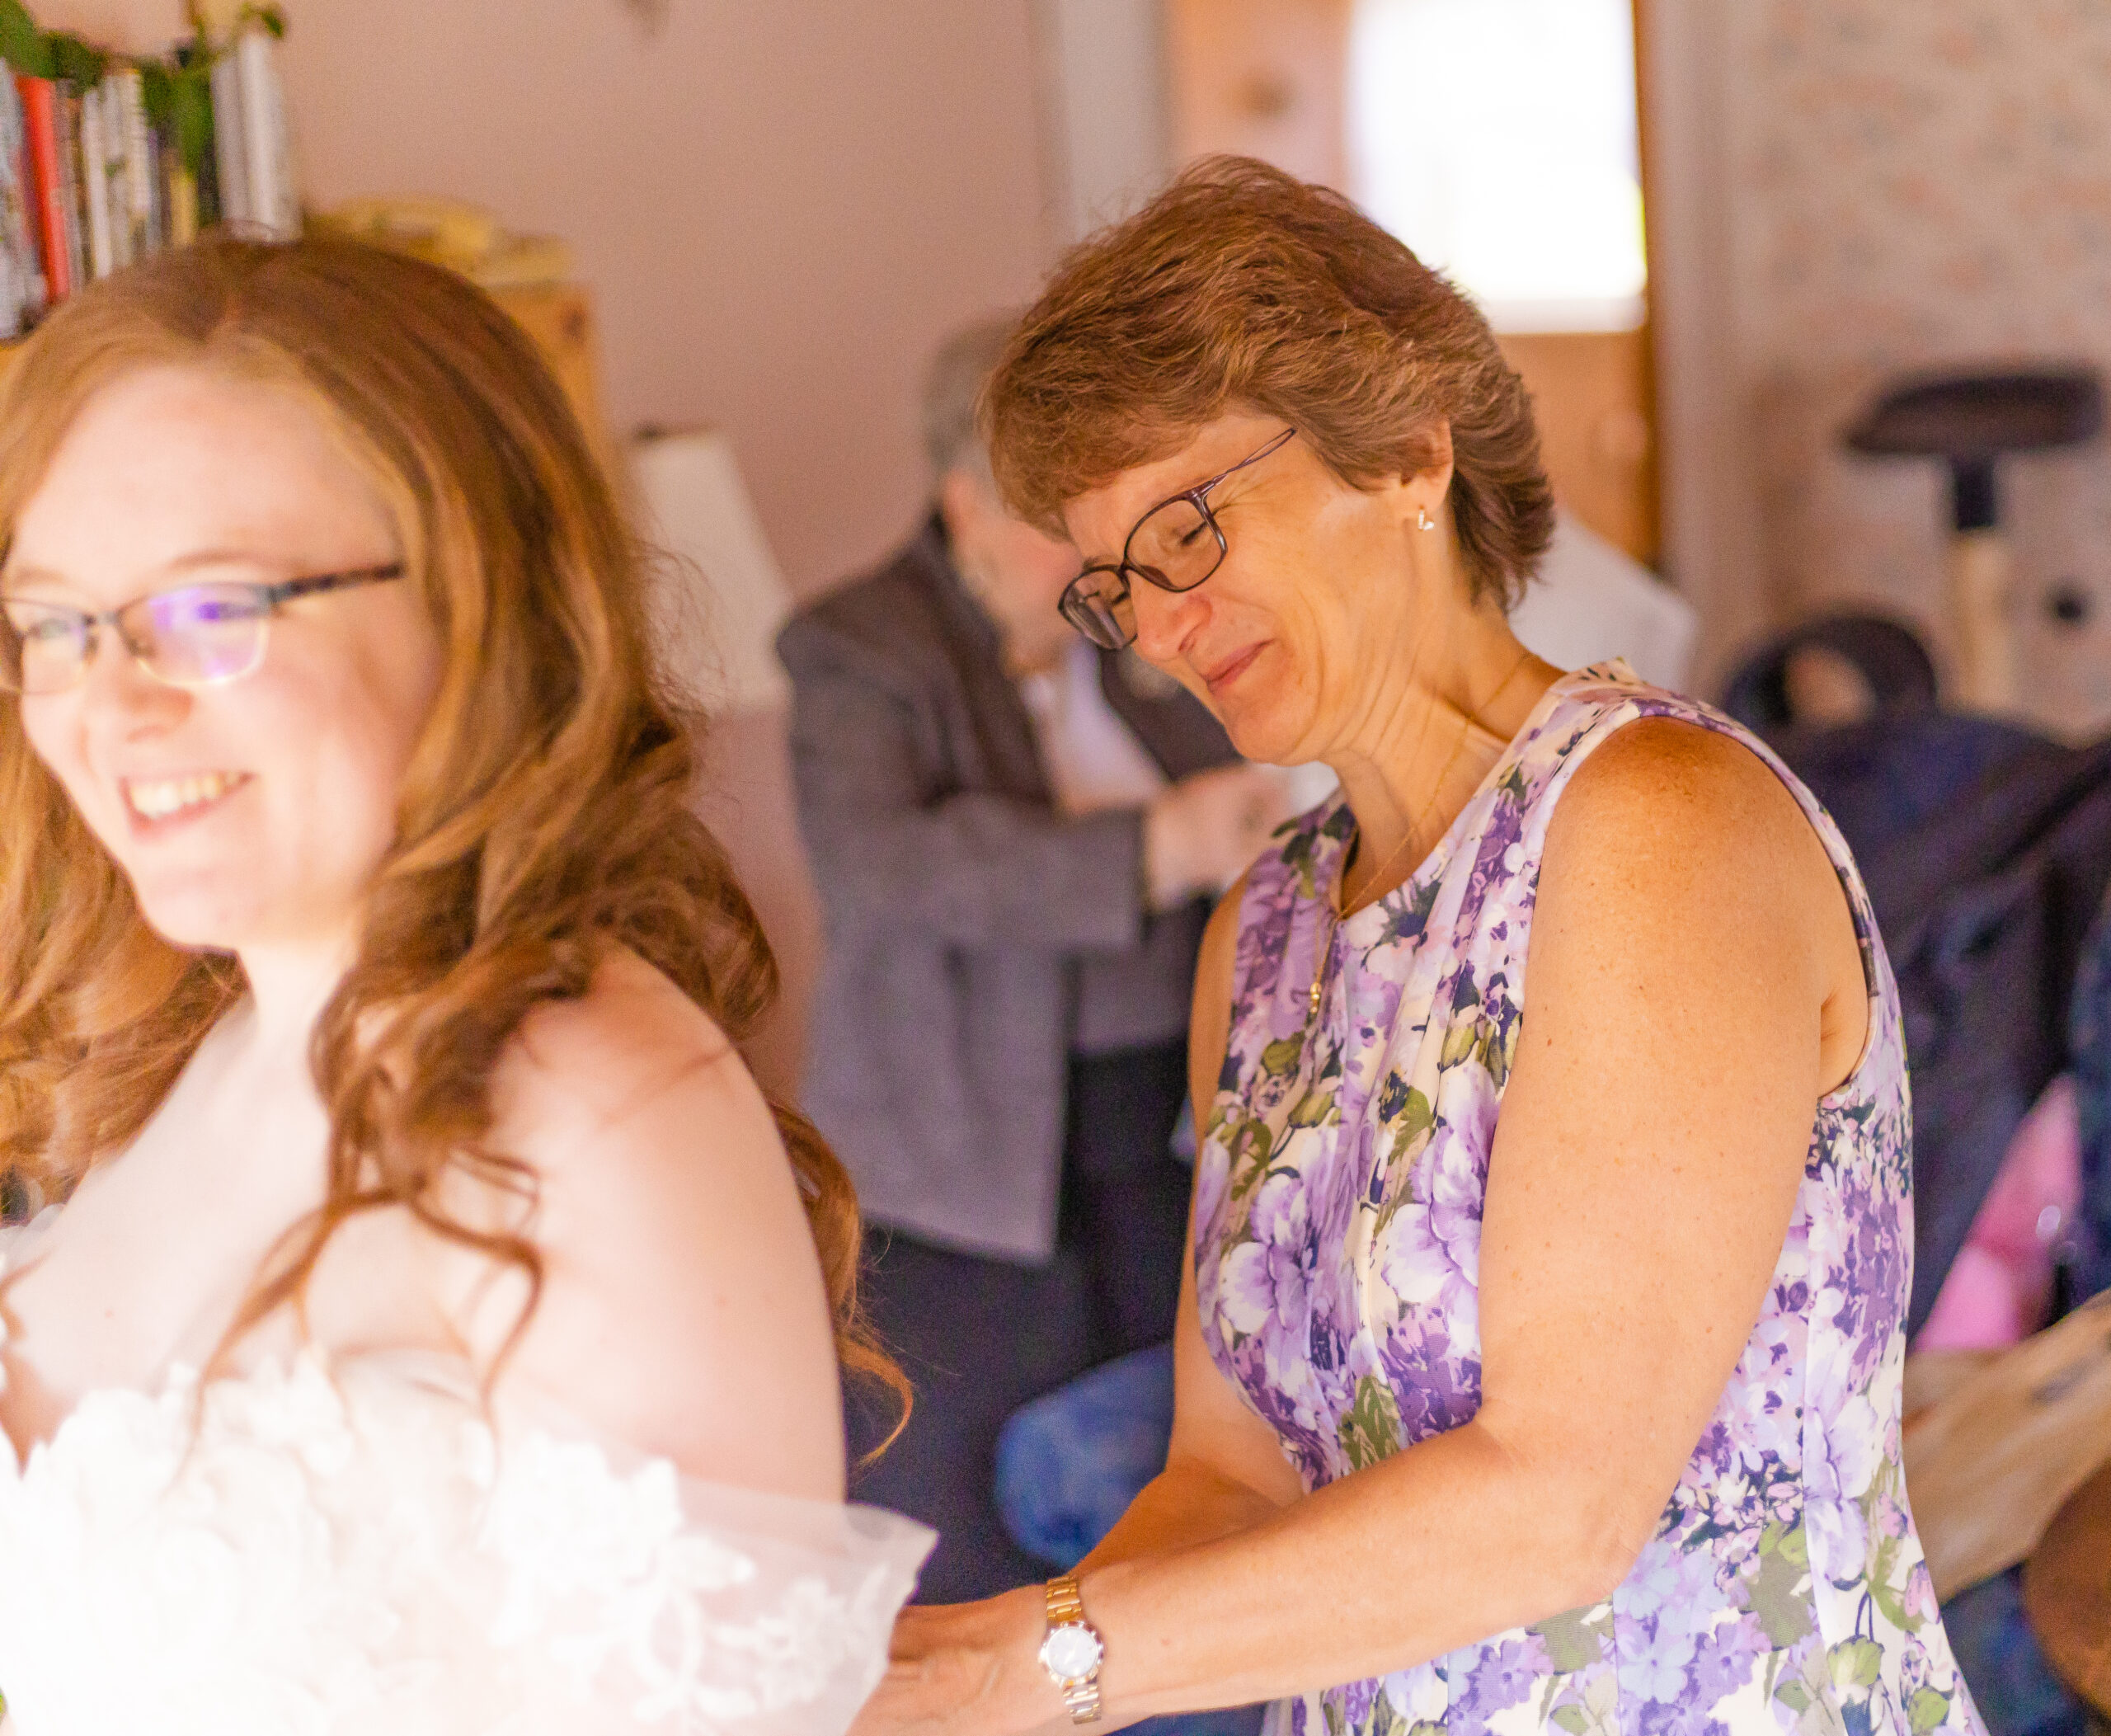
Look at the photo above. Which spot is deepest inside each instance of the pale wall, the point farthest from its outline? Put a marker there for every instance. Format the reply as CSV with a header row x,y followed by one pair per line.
x,y
1845,189
779,207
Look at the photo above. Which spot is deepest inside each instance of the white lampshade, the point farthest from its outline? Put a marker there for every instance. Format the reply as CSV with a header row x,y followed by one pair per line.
x,y
720,599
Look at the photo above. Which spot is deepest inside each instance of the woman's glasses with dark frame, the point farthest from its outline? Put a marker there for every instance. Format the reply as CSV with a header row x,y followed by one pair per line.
x,y
1175,546
193,636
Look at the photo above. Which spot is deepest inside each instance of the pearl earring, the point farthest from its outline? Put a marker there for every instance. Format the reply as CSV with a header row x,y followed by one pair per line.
x,y
1423,521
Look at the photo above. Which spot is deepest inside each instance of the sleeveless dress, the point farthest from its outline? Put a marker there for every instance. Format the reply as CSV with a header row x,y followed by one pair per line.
x,y
1338,1197
356,1551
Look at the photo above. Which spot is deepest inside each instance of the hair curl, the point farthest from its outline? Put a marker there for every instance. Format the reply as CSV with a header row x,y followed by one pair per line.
x,y
544,816
1241,287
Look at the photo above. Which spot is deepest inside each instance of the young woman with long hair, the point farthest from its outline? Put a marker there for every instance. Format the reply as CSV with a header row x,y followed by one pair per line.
x,y
420,1273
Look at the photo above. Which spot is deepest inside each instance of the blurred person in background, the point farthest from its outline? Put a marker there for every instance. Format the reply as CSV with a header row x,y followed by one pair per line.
x,y
1017,840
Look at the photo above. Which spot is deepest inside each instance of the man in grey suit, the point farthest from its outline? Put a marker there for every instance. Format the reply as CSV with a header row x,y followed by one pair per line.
x,y
1015,838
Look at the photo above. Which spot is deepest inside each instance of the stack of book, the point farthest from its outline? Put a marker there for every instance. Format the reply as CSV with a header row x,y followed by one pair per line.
x,y
125,159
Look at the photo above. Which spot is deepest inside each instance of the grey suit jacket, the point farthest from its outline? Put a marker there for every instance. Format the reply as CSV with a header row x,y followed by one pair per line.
x,y
977,938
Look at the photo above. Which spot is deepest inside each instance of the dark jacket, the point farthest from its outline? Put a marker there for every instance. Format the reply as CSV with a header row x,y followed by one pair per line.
x,y
977,938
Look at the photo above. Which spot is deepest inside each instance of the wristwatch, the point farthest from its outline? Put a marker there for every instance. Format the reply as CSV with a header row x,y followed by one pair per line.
x,y
1073,1651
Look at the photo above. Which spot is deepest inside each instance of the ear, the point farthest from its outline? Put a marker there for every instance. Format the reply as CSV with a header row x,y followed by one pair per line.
x,y
1429,486
960,506
1422,494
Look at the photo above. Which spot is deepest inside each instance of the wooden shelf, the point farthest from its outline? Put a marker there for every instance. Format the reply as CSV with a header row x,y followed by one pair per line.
x,y
560,318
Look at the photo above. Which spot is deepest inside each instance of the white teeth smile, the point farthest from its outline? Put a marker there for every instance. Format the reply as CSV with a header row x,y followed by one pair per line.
x,y
162,798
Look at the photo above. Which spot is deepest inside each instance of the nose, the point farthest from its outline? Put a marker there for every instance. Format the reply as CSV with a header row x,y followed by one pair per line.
x,y
120,699
1166,620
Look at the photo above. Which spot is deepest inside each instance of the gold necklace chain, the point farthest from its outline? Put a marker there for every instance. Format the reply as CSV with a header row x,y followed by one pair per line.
x,y
1340,906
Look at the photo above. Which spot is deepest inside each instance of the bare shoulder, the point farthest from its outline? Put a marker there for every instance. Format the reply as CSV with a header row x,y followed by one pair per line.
x,y
683,1308
1679,820
578,1065
1663,779
1678,853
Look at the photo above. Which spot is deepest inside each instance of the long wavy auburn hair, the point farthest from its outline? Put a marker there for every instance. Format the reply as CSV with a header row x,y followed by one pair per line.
x,y
543,818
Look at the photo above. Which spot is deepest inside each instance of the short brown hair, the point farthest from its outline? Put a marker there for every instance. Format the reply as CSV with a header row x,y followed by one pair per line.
x,y
1241,286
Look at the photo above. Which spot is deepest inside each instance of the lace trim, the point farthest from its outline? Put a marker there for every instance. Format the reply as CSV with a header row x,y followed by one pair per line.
x,y
337,1520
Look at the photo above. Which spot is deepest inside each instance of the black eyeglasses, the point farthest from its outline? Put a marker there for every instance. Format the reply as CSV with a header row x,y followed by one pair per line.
x,y
1175,546
194,635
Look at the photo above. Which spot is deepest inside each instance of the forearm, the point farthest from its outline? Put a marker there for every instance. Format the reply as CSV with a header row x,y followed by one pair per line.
x,y
1442,1545
1186,1505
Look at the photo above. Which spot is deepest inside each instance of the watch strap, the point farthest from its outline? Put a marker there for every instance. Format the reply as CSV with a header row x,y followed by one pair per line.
x,y
1066,1608
1066,1603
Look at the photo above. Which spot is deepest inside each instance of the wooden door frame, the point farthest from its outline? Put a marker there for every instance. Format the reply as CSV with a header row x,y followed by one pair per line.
x,y
1709,511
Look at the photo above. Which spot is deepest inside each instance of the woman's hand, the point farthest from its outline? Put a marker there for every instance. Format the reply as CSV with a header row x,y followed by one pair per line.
x,y
967,1669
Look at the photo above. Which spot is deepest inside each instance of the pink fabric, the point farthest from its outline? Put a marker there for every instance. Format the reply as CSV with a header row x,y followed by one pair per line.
x,y
2000,1288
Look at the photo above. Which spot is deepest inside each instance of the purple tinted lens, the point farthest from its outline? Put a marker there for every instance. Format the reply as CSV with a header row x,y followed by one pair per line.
x,y
198,634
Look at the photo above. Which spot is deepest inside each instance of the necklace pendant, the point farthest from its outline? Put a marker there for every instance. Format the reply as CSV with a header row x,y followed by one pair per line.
x,y
1314,1012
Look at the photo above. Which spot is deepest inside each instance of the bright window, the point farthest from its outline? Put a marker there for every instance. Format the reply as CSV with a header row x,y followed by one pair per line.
x,y
1497,137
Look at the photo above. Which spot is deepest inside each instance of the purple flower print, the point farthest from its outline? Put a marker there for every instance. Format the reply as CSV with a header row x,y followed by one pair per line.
x,y
1724,1659
1266,1289
1842,1443
1340,1291
1654,1652
1505,1676
1418,1696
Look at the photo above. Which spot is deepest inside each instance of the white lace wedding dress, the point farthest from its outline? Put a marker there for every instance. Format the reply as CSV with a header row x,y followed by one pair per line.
x,y
355,1552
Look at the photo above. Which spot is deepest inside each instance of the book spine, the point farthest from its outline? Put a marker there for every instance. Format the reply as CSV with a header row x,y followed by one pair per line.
x,y
24,297
39,99
180,198
156,189
138,163
230,147
67,109
273,204
94,156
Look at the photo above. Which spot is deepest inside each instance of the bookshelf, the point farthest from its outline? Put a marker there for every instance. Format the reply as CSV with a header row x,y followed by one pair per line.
x,y
107,158
559,319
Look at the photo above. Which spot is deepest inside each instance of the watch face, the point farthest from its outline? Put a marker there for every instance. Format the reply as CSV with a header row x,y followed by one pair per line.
x,y
1072,1651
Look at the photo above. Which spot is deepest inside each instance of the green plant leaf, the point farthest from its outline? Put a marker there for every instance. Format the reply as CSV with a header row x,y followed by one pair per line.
x,y
179,99
1571,1718
1926,1711
21,43
78,62
1793,1696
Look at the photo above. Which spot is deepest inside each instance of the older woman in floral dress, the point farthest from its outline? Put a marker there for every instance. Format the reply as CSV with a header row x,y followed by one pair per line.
x,y
1539,1367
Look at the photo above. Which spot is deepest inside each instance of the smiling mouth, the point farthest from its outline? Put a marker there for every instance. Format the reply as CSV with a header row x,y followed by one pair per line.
x,y
157,801
1235,667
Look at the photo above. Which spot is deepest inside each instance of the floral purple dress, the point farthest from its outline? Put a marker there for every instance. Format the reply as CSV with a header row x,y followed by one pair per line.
x,y
1338,1220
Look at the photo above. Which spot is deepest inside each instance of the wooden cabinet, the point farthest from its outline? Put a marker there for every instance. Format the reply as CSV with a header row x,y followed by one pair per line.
x,y
1591,396
560,318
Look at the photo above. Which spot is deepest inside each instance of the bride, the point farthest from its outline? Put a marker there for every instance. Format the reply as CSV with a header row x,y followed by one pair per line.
x,y
440,1331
